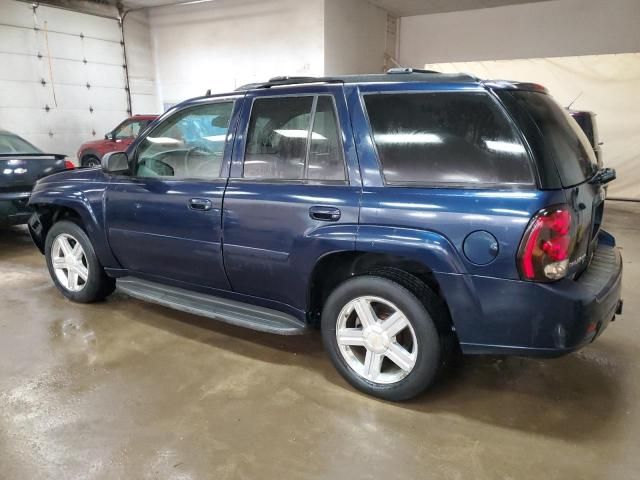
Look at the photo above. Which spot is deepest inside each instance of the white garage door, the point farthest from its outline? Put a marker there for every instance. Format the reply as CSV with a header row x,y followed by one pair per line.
x,y
62,79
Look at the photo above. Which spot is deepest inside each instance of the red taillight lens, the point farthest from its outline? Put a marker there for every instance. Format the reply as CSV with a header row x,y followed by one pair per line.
x,y
68,164
546,246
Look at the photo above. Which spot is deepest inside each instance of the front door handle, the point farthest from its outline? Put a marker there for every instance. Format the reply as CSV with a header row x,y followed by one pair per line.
x,y
326,214
200,204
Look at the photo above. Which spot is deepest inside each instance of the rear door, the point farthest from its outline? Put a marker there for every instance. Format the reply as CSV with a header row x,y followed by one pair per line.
x,y
293,195
164,218
562,152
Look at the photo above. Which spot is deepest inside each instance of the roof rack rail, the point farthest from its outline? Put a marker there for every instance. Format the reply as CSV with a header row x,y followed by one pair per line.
x,y
285,80
409,70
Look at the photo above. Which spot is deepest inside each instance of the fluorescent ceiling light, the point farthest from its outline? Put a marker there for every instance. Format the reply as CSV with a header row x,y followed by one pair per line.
x,y
408,137
164,140
299,134
507,147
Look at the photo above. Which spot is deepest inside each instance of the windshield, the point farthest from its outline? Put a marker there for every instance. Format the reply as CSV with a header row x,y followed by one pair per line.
x,y
10,143
555,137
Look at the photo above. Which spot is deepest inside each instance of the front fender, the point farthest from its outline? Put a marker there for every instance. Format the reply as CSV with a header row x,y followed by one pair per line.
x,y
427,247
87,204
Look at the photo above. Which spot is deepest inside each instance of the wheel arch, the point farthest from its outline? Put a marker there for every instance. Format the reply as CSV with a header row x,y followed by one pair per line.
x,y
336,267
48,211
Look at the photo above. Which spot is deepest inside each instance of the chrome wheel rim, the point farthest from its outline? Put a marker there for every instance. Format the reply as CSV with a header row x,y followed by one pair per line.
x,y
376,339
69,262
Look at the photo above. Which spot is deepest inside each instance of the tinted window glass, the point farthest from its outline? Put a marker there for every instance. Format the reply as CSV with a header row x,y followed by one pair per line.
x,y
446,138
557,138
278,140
10,143
188,144
325,153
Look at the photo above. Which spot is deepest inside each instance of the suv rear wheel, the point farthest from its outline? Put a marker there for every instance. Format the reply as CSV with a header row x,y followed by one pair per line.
x,y
381,337
73,264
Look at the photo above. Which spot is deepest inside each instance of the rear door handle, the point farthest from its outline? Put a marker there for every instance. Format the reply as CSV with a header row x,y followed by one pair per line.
x,y
326,214
201,204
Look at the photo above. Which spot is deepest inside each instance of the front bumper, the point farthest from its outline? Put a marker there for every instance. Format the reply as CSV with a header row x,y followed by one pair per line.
x,y
14,208
501,316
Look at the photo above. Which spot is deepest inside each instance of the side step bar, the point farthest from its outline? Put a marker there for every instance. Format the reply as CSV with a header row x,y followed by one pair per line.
x,y
229,311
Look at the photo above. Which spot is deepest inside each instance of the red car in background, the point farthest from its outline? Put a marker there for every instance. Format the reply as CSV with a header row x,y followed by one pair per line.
x,y
118,139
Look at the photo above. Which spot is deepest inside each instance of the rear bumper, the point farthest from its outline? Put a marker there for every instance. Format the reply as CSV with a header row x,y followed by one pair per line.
x,y
14,209
535,319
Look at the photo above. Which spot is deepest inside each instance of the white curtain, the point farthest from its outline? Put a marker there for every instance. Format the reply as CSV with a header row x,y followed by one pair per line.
x,y
608,85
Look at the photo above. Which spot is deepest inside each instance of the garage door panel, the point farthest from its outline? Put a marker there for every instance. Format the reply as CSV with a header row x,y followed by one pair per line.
x,y
17,13
21,68
19,40
102,52
77,23
107,99
24,95
105,75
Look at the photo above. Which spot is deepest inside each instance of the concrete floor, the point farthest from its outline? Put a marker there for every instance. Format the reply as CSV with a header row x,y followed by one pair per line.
x,y
125,389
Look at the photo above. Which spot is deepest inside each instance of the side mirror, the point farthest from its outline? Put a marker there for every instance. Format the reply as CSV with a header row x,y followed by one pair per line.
x,y
115,162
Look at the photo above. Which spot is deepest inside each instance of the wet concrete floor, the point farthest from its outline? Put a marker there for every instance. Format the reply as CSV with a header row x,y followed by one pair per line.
x,y
125,389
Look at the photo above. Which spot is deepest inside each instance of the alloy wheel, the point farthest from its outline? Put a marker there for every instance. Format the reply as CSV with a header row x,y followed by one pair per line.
x,y
376,339
69,262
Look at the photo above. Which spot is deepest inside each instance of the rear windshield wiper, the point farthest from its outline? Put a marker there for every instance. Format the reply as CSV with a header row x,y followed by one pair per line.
x,y
602,176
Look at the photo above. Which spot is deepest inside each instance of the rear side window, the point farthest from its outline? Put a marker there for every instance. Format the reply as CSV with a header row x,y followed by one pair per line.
x,y
554,136
446,138
294,138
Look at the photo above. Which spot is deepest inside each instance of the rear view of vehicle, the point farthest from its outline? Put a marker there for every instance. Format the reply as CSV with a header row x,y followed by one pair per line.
x,y
21,166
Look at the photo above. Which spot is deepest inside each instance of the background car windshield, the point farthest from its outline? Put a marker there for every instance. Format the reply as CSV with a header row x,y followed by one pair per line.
x,y
10,143
130,129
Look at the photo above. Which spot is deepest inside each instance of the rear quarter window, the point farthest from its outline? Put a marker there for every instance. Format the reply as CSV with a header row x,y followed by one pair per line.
x,y
446,138
556,139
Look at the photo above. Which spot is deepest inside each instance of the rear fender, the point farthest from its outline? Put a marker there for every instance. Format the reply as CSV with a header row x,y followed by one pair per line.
x,y
427,247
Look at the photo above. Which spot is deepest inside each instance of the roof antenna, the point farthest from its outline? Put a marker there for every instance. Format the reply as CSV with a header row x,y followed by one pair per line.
x,y
574,100
208,93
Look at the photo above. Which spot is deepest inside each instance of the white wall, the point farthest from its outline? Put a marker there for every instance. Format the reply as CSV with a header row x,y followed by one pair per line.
x,y
354,37
546,29
229,43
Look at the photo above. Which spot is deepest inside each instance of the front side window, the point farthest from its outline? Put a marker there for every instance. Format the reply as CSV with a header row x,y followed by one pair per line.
x,y
294,138
188,144
446,138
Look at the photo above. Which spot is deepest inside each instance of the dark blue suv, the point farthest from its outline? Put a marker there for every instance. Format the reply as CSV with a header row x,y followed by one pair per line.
x,y
408,215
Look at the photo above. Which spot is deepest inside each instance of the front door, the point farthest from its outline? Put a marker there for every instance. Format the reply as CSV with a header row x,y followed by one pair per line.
x,y
293,193
163,219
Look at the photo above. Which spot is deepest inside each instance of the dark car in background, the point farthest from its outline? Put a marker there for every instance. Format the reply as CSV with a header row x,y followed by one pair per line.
x,y
21,166
408,215
117,140
587,122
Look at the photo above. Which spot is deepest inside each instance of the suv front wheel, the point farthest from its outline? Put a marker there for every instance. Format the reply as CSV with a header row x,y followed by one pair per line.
x,y
381,337
73,264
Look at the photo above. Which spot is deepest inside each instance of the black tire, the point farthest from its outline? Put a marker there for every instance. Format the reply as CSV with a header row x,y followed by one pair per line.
x,y
90,161
419,311
98,285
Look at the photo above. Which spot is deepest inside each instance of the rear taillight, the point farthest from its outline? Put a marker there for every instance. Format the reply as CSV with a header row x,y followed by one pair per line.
x,y
68,164
545,249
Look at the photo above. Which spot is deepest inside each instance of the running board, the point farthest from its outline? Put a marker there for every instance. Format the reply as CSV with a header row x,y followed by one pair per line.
x,y
229,311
